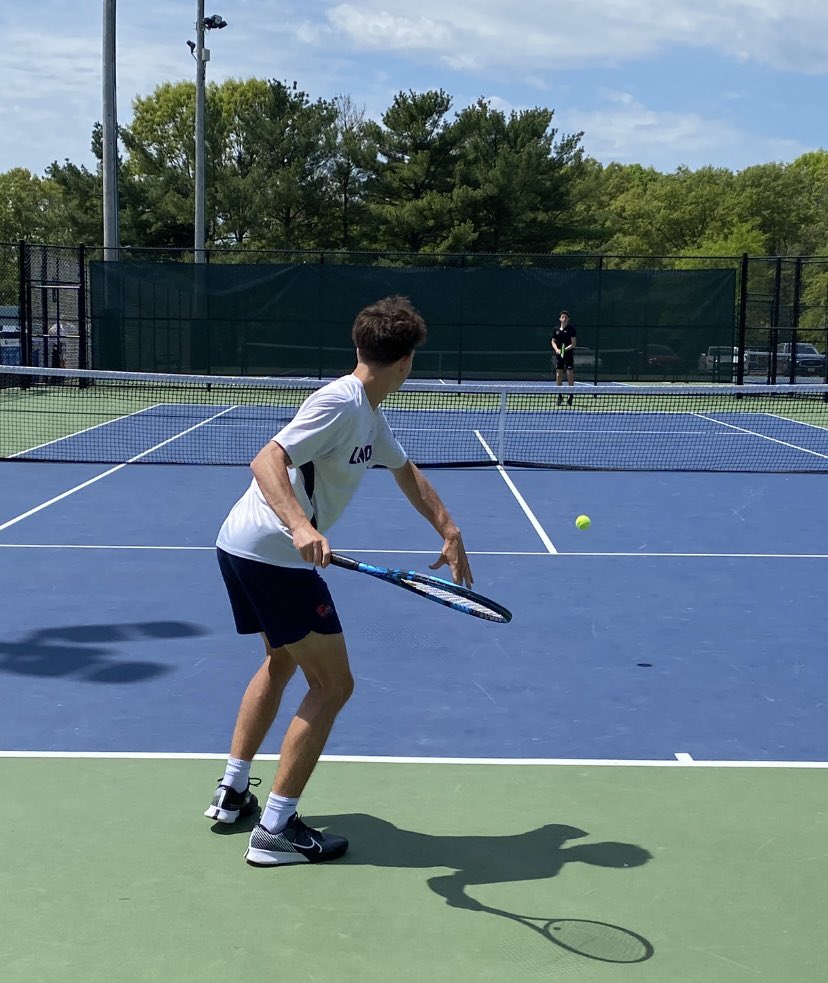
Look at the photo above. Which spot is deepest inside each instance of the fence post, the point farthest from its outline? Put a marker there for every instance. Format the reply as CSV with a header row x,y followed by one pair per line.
x,y
598,321
797,296
773,334
83,334
741,328
22,314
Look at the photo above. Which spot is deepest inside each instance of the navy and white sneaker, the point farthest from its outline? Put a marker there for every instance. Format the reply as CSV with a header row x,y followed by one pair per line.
x,y
228,804
297,843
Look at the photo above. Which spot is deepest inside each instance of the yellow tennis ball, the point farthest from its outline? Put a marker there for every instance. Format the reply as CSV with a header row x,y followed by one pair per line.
x,y
583,522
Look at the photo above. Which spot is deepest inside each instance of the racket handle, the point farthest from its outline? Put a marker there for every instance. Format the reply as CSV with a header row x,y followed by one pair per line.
x,y
338,560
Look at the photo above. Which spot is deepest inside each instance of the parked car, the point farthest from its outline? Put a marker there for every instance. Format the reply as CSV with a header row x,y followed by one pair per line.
x,y
9,336
584,359
722,357
661,358
809,361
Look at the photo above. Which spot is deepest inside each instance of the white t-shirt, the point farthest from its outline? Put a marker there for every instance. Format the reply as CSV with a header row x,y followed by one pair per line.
x,y
338,430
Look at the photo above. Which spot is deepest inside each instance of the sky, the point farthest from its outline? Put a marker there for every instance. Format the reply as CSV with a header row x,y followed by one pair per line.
x,y
663,83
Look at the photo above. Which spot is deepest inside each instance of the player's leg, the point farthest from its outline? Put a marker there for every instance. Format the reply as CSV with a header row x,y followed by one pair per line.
x,y
281,837
323,660
559,372
260,703
282,604
570,378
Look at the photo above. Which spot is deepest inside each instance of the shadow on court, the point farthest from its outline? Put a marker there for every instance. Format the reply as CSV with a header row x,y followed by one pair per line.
x,y
537,854
84,651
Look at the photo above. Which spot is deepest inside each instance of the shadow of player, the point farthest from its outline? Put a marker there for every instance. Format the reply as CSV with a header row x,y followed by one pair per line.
x,y
85,651
537,854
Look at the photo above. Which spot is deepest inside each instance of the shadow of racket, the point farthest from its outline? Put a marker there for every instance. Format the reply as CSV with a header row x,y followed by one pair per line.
x,y
594,940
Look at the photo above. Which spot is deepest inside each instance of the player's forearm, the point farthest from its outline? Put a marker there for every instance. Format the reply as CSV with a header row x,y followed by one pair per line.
x,y
269,468
423,496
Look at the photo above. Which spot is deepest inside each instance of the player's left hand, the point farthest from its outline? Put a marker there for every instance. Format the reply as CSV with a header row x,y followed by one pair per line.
x,y
454,554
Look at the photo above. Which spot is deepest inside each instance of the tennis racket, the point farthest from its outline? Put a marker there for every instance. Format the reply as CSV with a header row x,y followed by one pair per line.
x,y
444,592
594,940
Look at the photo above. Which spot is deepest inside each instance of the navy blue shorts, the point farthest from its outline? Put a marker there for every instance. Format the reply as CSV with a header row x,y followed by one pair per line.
x,y
283,602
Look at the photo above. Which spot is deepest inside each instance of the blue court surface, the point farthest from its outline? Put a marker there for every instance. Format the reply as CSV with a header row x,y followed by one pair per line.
x,y
688,624
670,660
207,420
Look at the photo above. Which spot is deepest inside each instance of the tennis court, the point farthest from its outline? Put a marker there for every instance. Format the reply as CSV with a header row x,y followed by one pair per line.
x,y
636,761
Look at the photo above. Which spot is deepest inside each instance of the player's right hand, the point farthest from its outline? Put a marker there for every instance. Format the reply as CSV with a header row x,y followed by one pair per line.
x,y
312,546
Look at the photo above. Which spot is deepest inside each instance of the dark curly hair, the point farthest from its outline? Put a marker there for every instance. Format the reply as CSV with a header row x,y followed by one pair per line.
x,y
388,330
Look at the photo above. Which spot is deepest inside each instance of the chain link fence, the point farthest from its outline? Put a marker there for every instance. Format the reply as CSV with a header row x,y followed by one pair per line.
x,y
776,328
9,303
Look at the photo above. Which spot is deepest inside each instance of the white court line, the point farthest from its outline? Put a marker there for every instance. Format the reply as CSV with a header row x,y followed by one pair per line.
x,y
754,433
394,760
802,423
91,481
113,546
547,542
388,552
584,431
77,433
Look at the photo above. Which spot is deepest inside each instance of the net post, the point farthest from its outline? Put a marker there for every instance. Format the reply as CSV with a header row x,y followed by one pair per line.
x,y
501,428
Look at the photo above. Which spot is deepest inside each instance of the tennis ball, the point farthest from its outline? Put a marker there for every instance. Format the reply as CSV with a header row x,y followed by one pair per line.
x,y
583,522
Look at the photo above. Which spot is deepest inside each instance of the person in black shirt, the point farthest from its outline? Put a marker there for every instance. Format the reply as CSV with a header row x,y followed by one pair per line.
x,y
563,345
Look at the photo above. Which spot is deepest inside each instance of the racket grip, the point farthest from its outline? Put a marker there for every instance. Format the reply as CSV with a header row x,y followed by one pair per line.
x,y
338,560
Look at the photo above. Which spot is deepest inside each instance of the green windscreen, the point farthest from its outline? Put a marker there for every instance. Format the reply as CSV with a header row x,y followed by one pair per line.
x,y
483,323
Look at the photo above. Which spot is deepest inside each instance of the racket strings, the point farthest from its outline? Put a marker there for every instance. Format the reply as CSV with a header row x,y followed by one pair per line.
x,y
455,600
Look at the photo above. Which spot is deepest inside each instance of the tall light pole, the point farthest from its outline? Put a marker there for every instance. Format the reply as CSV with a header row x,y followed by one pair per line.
x,y
110,137
202,56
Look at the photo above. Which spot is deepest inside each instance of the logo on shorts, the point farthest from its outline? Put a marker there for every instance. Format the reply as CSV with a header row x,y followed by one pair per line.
x,y
324,610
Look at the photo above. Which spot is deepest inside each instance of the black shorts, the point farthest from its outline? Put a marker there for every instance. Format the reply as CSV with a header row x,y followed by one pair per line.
x,y
567,362
285,603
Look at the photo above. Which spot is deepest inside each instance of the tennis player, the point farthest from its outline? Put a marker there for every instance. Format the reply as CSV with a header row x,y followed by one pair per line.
x,y
563,345
268,550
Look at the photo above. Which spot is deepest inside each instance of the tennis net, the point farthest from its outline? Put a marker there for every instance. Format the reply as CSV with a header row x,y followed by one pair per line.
x,y
115,417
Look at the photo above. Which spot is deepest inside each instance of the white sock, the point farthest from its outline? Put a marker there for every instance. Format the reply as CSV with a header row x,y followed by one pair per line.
x,y
236,774
278,810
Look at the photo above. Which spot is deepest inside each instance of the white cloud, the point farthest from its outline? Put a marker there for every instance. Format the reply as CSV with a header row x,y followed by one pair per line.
x,y
501,105
372,49
628,132
527,36
311,33
379,28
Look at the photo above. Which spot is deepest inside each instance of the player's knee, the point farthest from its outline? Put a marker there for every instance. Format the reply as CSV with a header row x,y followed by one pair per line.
x,y
280,666
345,688
335,690
281,670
